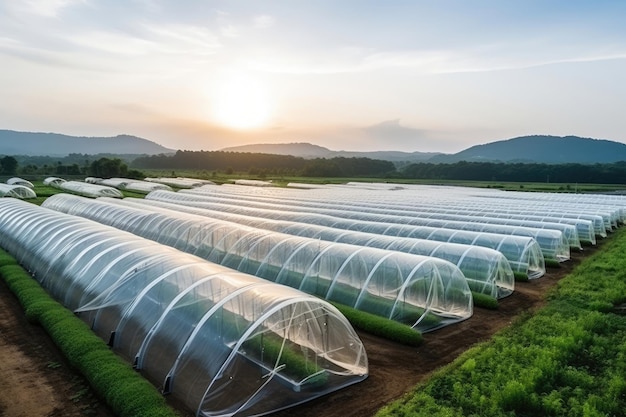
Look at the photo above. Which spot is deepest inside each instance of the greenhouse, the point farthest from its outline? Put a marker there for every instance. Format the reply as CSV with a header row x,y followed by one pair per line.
x,y
435,199
137,186
179,182
523,253
88,190
53,181
423,292
254,183
20,181
570,231
554,246
487,270
16,191
219,341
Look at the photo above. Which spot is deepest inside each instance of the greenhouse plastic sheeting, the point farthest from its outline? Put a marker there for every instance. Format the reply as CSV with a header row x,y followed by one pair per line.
x,y
179,182
88,190
220,341
608,206
574,230
53,181
20,181
133,185
16,191
523,253
553,243
423,292
487,270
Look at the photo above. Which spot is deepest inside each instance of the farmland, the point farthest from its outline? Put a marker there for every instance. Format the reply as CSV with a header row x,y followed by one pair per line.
x,y
395,369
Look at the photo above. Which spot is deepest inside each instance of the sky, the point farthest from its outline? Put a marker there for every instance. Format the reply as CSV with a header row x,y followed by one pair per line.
x,y
358,75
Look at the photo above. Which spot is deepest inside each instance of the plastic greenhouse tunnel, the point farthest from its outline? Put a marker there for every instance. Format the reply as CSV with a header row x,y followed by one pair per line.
x,y
16,191
523,253
487,270
402,204
220,341
88,189
423,292
553,243
341,208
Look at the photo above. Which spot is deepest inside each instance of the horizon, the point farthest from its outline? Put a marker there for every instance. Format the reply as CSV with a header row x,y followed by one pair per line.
x,y
357,76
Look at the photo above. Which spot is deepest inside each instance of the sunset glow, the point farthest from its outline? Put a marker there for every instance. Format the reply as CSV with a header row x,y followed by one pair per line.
x,y
241,102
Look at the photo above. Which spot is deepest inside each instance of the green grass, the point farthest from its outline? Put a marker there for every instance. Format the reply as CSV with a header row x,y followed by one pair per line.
x,y
380,326
569,359
484,301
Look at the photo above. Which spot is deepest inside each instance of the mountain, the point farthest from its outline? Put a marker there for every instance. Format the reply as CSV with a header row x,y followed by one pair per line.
x,y
541,149
54,144
310,151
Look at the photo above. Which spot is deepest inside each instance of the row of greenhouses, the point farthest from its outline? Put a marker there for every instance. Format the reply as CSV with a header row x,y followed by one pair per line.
x,y
409,197
423,292
574,230
487,270
555,244
609,207
220,341
518,248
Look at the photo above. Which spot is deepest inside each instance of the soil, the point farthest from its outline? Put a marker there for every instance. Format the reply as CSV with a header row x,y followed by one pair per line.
x,y
38,381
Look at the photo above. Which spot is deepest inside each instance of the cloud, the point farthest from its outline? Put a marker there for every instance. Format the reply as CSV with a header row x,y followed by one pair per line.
x,y
44,8
263,22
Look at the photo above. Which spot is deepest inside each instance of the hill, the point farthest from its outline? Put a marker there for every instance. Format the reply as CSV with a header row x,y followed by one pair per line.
x,y
310,151
54,144
541,149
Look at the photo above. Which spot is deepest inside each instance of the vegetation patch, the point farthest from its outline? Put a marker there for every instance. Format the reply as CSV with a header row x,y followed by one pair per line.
x,y
569,359
484,301
381,326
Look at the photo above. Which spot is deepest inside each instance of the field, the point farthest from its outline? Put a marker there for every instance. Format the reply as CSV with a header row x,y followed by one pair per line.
x,y
35,370
38,370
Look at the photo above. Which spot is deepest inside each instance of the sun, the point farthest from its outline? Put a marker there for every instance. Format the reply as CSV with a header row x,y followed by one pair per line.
x,y
241,102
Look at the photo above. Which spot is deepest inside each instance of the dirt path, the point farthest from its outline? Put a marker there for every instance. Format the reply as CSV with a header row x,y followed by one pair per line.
x,y
37,381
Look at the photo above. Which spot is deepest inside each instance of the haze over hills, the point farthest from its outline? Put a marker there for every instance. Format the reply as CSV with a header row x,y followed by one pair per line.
x,y
310,151
54,144
542,149
527,149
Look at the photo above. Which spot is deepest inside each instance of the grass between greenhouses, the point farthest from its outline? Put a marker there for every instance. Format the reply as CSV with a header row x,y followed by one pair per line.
x,y
568,359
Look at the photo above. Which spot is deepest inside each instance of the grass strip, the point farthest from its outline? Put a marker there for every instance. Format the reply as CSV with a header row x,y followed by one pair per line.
x,y
484,301
380,326
568,359
126,392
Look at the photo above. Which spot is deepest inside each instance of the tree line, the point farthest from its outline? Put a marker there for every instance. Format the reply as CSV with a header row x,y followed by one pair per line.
x,y
613,173
266,164
262,165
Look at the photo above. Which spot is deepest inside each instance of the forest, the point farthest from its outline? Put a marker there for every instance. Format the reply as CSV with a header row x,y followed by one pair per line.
x,y
261,165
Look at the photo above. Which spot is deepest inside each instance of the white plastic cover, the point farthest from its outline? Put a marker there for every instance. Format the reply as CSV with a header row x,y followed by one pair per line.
x,y
423,292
